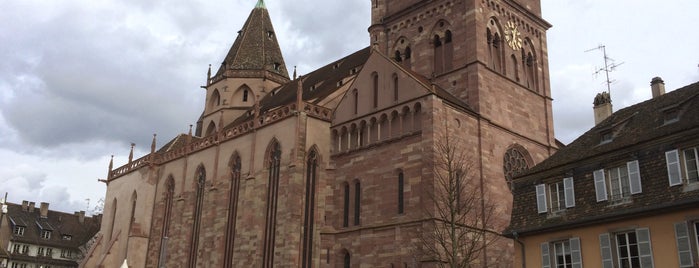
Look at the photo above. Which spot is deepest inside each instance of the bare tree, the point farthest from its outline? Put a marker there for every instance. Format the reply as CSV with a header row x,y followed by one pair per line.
x,y
459,231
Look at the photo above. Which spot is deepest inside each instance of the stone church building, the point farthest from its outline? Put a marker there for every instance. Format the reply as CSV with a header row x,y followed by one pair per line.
x,y
335,168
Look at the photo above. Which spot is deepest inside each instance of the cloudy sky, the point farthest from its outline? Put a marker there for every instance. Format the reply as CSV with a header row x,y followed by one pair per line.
x,y
80,80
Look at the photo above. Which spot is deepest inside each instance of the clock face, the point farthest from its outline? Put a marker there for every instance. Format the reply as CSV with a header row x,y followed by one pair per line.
x,y
512,36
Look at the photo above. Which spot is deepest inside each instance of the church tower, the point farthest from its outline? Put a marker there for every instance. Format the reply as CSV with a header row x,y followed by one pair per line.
x,y
253,66
489,53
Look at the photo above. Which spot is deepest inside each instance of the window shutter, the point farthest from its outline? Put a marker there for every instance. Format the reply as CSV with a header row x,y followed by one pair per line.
x,y
606,248
545,255
541,198
634,177
684,248
673,167
576,256
569,192
600,185
645,253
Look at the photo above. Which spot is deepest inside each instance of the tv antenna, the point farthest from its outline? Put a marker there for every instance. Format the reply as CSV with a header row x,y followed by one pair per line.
x,y
609,66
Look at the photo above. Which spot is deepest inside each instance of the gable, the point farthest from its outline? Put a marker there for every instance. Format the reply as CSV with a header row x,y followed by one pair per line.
x,y
380,84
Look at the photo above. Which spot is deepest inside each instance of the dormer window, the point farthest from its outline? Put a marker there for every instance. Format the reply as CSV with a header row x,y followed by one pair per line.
x,y
45,234
18,230
671,116
606,136
67,237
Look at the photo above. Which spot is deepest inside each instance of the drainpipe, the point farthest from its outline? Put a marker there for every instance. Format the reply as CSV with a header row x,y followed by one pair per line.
x,y
524,258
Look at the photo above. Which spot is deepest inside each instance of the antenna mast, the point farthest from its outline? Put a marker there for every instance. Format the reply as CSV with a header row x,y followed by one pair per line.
x,y
609,66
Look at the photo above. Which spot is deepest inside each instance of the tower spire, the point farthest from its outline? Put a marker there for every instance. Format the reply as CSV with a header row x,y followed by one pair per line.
x,y
260,4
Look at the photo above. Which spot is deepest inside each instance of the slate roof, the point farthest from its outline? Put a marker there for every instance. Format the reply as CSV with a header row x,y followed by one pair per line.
x,y
632,125
59,223
256,46
639,132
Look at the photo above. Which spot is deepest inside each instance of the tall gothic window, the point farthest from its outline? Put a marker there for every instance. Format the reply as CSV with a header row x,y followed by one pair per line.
x,y
235,166
438,55
346,206
395,87
375,78
495,48
165,235
514,163
134,198
198,206
355,100
111,226
309,213
448,51
346,261
357,201
401,185
272,194
407,55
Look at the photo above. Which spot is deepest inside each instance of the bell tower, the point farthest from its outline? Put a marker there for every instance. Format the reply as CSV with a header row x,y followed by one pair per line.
x,y
253,67
489,53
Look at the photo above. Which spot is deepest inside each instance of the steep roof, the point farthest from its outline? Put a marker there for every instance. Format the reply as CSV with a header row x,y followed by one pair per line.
x,y
642,132
256,46
632,125
59,223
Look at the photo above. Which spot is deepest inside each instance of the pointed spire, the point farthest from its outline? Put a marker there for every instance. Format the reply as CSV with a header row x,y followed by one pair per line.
x,y
294,72
189,135
111,165
255,48
131,153
208,76
152,144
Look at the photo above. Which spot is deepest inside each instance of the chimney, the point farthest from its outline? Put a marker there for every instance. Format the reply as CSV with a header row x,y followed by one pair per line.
x,y
44,210
603,107
81,216
657,85
25,203
30,208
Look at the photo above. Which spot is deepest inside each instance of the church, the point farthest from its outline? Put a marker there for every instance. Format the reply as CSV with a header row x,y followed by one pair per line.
x,y
337,167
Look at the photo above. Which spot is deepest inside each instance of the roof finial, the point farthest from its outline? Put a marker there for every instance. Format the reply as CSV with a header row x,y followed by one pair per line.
x,y
208,76
111,165
260,4
131,153
294,72
152,144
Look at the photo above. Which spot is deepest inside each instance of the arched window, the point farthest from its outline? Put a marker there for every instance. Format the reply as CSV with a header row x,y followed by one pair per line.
x,y
274,160
110,234
245,95
438,55
395,87
165,235
355,100
235,167
134,198
375,84
397,57
395,124
515,67
494,39
346,206
407,55
211,129
401,185
346,262
515,162
215,100
448,51
357,202
309,213
198,206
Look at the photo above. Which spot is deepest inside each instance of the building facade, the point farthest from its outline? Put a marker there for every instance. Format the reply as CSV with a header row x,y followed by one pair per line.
x,y
335,168
624,194
34,237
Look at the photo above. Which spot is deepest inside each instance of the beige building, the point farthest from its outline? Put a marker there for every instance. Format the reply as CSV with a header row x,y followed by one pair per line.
x,y
624,194
335,168
36,237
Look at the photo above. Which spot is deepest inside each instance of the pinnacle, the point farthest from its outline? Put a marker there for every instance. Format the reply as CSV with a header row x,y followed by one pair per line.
x,y
260,4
